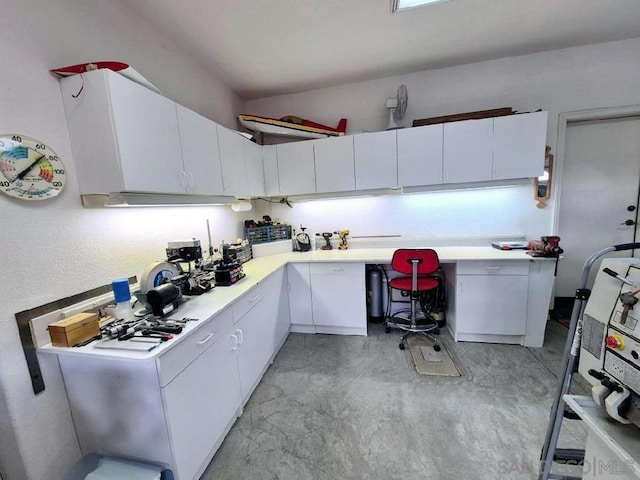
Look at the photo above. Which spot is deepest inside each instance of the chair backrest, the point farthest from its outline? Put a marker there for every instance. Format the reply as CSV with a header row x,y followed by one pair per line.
x,y
428,260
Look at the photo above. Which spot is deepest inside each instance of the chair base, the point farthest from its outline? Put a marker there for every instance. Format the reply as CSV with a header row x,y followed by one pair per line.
x,y
424,325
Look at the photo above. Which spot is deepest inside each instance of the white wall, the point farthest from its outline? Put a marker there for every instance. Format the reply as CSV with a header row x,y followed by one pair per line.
x,y
446,213
580,78
56,248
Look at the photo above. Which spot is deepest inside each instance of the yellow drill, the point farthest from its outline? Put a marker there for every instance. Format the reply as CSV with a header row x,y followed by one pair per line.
x,y
343,238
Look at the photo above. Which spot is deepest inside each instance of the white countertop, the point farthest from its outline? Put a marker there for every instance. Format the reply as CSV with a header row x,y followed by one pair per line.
x,y
208,305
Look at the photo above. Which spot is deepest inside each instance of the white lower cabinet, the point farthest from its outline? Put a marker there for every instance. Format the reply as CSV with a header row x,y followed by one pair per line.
x,y
299,283
491,301
327,298
201,403
176,409
262,322
338,298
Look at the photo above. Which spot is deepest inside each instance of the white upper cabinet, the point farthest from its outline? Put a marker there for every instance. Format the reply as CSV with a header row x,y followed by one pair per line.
x,y
296,169
376,161
124,137
234,171
200,154
420,156
468,151
518,145
335,167
270,166
255,171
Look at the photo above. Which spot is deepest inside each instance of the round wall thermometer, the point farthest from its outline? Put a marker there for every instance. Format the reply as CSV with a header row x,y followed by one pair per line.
x,y
29,169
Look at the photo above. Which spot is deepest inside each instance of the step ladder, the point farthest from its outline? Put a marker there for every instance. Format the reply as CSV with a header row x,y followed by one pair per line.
x,y
559,410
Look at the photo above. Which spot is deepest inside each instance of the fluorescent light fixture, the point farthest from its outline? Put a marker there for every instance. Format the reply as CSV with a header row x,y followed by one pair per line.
x,y
126,199
399,5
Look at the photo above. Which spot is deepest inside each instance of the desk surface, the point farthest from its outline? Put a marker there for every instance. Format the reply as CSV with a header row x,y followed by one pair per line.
x,y
210,304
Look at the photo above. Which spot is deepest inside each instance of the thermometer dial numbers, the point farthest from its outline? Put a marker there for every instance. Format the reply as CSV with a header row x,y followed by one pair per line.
x,y
29,169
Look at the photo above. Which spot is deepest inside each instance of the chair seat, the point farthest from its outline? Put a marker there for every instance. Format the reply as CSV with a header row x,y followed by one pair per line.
x,y
405,283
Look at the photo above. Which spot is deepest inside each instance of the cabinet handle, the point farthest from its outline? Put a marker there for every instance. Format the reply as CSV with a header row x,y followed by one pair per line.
x,y
255,298
493,269
460,286
337,269
189,177
206,339
239,336
234,342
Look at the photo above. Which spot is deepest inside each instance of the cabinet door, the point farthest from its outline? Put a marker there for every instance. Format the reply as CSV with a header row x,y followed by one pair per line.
x,y
234,172
299,281
200,404
339,301
254,350
276,308
200,154
468,151
376,160
255,171
491,304
518,145
296,169
146,127
335,167
270,165
420,156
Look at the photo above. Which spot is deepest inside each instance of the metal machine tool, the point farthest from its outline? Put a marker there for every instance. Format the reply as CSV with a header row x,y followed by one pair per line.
x,y
229,270
610,348
594,335
302,242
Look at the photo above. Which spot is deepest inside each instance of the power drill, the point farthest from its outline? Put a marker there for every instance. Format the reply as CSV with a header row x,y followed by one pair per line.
x,y
326,236
343,238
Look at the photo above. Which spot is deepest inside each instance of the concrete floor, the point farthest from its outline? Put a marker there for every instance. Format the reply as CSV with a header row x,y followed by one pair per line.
x,y
340,407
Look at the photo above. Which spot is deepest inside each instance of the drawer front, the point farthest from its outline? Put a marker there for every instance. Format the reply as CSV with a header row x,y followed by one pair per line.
x,y
178,358
337,268
493,267
249,300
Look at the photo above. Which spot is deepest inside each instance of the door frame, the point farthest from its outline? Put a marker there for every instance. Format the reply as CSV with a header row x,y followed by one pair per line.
x,y
608,113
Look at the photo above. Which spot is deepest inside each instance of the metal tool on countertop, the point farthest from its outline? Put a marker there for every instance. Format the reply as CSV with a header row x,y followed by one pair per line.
x,y
343,238
327,238
89,340
164,299
302,242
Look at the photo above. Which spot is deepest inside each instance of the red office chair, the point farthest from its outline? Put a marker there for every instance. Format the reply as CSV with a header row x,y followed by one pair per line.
x,y
422,265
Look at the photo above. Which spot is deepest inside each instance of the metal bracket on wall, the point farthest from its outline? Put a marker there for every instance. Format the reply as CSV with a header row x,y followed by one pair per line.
x,y
23,320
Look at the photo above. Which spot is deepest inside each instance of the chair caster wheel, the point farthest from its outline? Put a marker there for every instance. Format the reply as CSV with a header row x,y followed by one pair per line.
x,y
401,346
387,329
436,348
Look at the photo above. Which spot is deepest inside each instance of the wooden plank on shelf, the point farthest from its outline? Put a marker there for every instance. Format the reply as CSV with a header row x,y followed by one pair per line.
x,y
496,112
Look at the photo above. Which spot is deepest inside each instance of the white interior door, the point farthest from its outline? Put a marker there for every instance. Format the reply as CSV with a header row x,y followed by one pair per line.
x,y
599,193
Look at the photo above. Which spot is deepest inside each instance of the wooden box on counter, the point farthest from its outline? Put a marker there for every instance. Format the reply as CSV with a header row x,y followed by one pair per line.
x,y
74,330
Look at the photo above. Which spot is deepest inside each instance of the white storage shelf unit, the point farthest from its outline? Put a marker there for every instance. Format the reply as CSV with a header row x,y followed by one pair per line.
x,y
127,138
